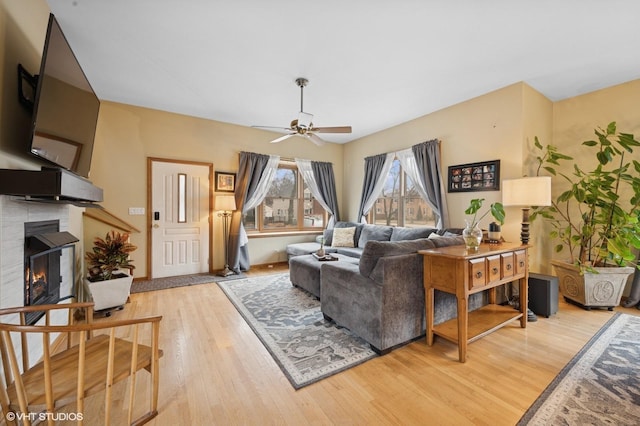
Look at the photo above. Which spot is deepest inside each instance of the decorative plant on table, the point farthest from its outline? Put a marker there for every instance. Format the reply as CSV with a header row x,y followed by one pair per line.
x,y
598,218
472,233
109,255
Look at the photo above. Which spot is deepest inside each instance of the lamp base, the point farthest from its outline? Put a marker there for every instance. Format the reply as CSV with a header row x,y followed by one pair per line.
x,y
226,272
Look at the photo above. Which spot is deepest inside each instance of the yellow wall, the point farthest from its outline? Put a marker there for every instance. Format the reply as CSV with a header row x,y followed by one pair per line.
x,y
498,125
575,119
127,135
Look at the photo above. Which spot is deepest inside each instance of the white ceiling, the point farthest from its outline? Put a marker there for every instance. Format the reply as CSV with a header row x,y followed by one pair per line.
x,y
371,64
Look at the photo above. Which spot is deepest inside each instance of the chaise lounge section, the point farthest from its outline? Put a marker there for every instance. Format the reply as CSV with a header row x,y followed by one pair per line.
x,y
381,298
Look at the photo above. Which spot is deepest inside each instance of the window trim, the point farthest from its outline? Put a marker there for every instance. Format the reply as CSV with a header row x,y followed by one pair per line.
x,y
402,201
260,229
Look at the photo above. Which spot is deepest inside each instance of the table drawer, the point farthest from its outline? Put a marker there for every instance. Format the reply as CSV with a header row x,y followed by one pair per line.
x,y
508,264
521,262
477,273
493,268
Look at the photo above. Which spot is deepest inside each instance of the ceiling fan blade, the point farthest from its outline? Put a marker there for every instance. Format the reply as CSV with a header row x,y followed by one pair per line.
x,y
340,129
278,129
315,139
281,138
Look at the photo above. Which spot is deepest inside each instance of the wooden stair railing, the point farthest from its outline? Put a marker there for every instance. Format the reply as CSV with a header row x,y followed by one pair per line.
x,y
89,364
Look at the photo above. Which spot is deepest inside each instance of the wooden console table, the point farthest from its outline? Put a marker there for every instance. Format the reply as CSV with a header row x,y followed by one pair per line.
x,y
461,272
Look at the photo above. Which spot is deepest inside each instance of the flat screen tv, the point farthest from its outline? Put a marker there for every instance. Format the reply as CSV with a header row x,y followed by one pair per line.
x,y
65,111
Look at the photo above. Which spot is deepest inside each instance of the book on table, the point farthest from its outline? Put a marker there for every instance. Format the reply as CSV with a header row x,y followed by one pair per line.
x,y
325,258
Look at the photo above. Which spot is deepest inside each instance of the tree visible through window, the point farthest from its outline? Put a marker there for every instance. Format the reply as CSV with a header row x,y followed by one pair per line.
x,y
400,204
288,206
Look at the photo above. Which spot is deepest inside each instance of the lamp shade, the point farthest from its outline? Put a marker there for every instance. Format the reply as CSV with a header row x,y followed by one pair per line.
x,y
225,203
527,191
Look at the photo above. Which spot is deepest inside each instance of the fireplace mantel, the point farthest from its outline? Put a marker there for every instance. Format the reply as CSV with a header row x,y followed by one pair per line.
x,y
49,185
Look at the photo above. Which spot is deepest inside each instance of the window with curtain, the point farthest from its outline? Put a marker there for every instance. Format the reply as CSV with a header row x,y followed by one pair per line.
x,y
400,204
288,206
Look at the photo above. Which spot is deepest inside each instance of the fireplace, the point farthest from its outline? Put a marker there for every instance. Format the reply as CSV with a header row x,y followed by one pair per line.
x,y
44,245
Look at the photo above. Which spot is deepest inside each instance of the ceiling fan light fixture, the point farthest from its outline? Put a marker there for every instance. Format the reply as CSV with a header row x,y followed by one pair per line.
x,y
302,126
304,119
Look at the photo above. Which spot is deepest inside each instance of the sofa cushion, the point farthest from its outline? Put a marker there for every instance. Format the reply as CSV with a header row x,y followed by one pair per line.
x,y
401,233
445,241
373,250
374,233
349,251
343,237
328,233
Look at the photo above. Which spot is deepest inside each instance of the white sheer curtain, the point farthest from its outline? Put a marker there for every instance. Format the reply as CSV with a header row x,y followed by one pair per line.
x,y
307,174
305,168
260,192
379,186
409,166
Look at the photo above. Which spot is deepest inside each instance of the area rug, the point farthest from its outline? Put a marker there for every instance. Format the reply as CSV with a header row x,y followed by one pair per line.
x,y
179,281
290,324
601,384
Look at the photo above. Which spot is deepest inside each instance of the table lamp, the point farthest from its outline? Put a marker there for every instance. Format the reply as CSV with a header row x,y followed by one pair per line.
x,y
526,192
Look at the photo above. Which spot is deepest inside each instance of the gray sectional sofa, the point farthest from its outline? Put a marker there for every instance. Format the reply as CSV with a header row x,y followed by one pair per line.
x,y
364,233
376,288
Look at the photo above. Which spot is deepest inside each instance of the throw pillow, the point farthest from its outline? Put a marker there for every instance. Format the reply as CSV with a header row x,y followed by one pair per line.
x,y
374,233
433,236
343,237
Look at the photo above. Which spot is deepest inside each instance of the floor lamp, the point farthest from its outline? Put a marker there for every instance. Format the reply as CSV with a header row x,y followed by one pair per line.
x,y
526,192
225,205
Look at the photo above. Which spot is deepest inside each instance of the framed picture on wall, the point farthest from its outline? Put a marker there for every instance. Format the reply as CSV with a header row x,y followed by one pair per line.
x,y
225,182
483,176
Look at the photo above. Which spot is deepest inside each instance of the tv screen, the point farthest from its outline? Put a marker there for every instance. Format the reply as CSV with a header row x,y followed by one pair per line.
x,y
66,108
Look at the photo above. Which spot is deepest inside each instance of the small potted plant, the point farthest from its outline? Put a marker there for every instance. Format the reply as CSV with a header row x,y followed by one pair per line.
x,y
472,233
107,280
597,219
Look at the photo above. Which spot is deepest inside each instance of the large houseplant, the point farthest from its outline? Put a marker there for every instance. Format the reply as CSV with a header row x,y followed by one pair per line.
x,y
107,280
597,219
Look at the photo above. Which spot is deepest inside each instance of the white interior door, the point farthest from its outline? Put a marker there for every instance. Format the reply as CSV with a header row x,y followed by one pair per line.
x,y
179,219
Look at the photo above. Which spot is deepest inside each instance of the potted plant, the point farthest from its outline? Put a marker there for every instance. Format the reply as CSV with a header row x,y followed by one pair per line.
x,y
107,281
472,233
597,219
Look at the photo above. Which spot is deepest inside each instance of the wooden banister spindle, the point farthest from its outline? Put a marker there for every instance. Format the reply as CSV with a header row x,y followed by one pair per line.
x,y
48,383
109,378
24,343
82,347
133,370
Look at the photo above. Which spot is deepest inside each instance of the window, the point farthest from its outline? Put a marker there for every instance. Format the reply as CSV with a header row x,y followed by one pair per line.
x,y
288,206
400,204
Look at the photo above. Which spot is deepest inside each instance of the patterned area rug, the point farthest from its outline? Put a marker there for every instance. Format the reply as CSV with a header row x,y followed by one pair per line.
x,y
180,281
290,324
600,386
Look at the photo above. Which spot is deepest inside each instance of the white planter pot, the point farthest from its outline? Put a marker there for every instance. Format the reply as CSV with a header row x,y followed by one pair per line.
x,y
111,293
601,290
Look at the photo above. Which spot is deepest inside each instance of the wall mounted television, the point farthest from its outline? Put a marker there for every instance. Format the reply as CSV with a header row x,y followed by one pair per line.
x,y
65,108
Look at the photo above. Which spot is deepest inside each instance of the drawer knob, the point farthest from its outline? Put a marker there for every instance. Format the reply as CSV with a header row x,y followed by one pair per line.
x,y
494,270
522,263
479,274
508,266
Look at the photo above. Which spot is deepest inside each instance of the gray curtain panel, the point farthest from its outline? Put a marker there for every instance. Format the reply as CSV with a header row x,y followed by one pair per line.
x,y
250,171
427,155
373,167
323,173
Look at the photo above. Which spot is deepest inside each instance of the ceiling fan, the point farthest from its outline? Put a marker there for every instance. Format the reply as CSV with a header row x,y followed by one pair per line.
x,y
302,126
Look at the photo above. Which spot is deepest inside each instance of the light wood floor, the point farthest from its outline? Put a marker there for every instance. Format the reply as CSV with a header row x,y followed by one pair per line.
x,y
216,371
